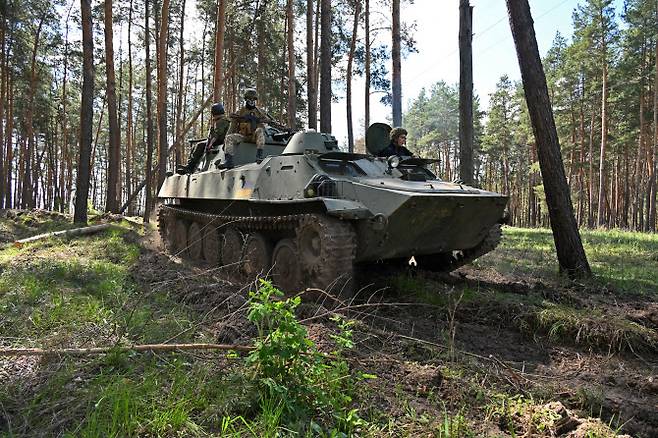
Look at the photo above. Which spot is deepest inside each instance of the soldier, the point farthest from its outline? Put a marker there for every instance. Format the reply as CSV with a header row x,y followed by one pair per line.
x,y
398,138
216,137
248,124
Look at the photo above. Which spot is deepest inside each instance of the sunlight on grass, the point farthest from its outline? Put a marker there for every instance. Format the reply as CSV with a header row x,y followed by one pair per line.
x,y
625,260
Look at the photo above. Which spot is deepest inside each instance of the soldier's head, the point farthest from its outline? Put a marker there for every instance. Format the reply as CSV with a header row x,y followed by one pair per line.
x,y
250,98
217,109
398,136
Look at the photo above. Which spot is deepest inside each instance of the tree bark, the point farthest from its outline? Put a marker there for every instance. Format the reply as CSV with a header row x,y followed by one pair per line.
x,y
28,199
181,90
292,82
397,65
311,92
466,92
325,66
654,149
148,173
86,115
220,31
366,112
129,112
3,73
163,34
570,253
114,140
348,79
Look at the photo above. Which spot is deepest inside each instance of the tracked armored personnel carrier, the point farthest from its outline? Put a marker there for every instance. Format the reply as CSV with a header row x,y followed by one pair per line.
x,y
308,213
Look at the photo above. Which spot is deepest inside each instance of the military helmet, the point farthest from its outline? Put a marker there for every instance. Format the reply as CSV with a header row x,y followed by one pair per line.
x,y
396,132
250,94
217,109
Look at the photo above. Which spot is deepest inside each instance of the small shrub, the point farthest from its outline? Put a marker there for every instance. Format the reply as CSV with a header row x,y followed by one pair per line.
x,y
292,375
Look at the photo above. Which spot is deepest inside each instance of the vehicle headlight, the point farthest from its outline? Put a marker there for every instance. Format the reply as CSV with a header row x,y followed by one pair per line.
x,y
393,161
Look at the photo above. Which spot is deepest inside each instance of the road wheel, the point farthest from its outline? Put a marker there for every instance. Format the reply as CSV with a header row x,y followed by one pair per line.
x,y
178,239
257,256
195,242
286,272
232,246
211,247
327,247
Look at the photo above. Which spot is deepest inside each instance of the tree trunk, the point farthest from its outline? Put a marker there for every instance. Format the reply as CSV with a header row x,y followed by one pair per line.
x,y
28,196
148,173
114,140
466,92
129,112
604,138
86,115
654,149
3,73
570,252
163,34
181,90
292,84
325,66
10,147
590,190
366,115
311,94
348,79
220,31
397,65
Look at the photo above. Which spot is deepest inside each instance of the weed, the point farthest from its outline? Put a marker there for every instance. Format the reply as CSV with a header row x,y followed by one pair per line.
x,y
295,380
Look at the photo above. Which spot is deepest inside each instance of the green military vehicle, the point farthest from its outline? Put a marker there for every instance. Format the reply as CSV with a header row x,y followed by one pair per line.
x,y
308,214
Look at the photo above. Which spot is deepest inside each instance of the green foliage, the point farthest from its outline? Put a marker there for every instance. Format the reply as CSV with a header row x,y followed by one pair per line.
x,y
295,380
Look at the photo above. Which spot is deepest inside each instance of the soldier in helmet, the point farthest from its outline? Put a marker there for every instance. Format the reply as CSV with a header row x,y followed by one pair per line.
x,y
248,124
216,135
398,138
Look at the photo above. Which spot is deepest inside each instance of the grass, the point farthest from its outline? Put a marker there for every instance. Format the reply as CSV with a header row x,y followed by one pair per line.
x,y
81,292
624,261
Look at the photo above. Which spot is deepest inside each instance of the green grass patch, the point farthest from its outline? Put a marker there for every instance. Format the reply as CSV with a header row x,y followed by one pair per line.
x,y
622,260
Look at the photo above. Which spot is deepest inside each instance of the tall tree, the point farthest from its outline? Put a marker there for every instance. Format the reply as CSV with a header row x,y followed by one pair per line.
x,y
311,85
570,252
325,66
149,116
220,31
366,111
163,36
356,4
114,141
292,81
397,64
129,112
86,115
466,92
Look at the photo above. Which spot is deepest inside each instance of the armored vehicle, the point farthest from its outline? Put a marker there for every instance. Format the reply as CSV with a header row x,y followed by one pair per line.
x,y
308,214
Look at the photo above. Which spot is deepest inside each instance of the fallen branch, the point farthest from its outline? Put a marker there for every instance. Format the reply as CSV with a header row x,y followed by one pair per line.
x,y
66,233
105,350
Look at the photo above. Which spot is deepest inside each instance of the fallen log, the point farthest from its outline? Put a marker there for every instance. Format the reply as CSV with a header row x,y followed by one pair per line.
x,y
105,350
65,233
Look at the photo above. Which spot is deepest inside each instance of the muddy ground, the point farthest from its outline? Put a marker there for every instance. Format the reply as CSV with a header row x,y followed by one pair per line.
x,y
455,346
433,358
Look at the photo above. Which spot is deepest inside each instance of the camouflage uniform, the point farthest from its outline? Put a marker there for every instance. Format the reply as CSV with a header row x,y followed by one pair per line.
x,y
218,131
242,129
216,137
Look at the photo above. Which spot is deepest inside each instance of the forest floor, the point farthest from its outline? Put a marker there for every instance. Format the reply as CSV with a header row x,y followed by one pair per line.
x,y
505,347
